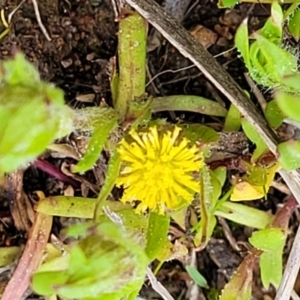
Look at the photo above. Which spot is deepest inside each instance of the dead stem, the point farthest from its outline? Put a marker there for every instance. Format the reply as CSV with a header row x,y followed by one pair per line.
x,y
38,18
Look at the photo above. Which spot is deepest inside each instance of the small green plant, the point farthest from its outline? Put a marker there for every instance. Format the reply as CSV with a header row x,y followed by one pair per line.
x,y
275,66
28,113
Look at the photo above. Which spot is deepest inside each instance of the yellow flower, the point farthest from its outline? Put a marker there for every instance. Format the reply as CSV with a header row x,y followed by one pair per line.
x,y
157,169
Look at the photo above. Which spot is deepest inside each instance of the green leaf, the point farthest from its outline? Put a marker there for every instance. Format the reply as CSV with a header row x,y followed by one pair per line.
x,y
255,138
92,267
292,82
18,71
272,29
273,114
156,234
256,175
8,255
240,284
289,155
294,25
189,103
275,61
71,207
270,264
22,139
244,215
241,41
132,61
95,145
112,174
199,133
233,120
43,283
197,276
289,104
271,241
220,173
209,194
227,3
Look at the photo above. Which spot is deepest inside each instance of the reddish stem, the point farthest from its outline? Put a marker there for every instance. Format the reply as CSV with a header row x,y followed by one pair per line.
x,y
51,170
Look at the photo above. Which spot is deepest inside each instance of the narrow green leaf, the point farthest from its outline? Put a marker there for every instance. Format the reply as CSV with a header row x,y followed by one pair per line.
x,y
241,41
244,215
132,61
157,232
210,191
272,29
233,120
112,174
197,276
95,145
71,207
289,154
220,173
255,138
294,25
189,103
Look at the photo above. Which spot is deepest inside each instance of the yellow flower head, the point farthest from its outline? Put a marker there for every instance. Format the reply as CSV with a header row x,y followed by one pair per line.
x,y
158,169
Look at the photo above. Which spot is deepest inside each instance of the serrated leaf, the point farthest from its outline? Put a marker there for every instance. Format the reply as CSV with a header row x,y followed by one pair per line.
x,y
289,155
244,215
271,241
156,234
